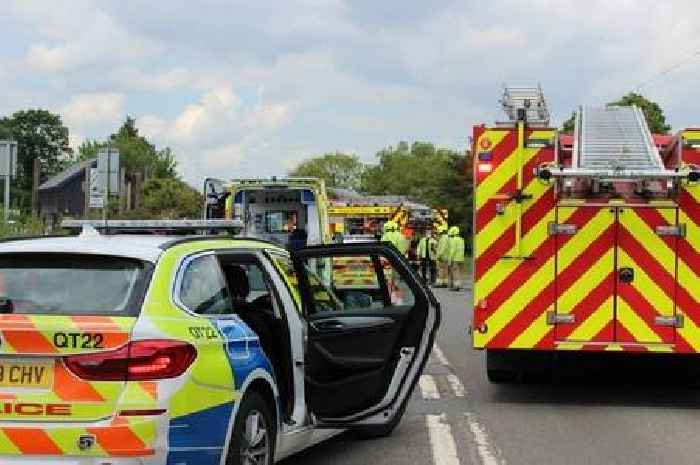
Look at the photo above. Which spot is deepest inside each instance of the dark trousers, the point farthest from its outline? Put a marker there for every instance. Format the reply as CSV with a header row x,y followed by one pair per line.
x,y
428,270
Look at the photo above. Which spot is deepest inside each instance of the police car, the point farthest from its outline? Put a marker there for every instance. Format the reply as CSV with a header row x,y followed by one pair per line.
x,y
129,349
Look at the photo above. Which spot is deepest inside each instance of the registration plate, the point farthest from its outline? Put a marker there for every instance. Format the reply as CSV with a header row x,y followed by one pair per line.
x,y
35,375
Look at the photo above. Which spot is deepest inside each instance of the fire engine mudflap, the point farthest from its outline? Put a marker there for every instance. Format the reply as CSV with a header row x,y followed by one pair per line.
x,y
583,244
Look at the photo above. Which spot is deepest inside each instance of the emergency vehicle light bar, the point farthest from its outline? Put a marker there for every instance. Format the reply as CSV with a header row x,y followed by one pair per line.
x,y
233,226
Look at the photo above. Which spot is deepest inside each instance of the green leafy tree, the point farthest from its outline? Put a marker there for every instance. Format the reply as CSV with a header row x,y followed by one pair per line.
x,y
440,178
40,135
652,111
570,124
168,198
137,154
337,169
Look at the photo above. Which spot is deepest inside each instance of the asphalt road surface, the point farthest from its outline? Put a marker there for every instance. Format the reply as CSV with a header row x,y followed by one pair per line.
x,y
600,415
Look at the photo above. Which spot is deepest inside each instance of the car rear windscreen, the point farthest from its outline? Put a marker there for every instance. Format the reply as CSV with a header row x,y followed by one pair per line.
x,y
72,284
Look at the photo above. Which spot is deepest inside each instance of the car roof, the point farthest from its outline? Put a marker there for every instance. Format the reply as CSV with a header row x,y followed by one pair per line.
x,y
141,247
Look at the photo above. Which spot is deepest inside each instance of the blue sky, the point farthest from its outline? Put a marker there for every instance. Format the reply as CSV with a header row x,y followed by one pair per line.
x,y
240,88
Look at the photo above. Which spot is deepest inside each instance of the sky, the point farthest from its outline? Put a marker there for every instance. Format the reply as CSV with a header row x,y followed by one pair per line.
x,y
250,88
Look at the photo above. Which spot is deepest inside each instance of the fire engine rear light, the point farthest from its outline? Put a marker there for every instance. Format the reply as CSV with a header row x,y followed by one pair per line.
x,y
485,167
137,361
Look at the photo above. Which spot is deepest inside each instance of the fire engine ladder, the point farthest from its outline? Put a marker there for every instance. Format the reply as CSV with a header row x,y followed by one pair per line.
x,y
525,104
615,139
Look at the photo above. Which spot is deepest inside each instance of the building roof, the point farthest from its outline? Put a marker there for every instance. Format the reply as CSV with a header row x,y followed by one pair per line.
x,y
66,175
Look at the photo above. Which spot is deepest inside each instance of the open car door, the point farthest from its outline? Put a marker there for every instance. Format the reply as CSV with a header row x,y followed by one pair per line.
x,y
371,326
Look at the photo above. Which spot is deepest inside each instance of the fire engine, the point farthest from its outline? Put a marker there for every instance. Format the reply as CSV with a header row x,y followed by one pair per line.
x,y
588,242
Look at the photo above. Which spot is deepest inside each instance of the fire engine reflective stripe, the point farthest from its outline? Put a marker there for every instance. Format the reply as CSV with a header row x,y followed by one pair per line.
x,y
499,228
633,323
496,276
524,285
526,321
493,184
598,326
499,141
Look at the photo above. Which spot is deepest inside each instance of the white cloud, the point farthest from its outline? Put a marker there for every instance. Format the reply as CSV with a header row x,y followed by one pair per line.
x,y
93,108
213,135
79,35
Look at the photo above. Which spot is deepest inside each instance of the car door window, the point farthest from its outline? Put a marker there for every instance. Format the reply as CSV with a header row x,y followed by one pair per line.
x,y
284,265
203,287
356,283
370,328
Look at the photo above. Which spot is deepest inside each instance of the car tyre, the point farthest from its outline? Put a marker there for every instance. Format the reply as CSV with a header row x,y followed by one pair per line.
x,y
254,433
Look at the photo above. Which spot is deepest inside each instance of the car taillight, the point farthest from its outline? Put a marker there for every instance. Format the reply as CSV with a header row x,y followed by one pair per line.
x,y
136,361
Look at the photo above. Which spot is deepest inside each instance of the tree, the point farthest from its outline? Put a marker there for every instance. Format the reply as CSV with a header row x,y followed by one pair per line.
x,y
652,111
570,124
40,135
337,169
137,154
440,178
168,198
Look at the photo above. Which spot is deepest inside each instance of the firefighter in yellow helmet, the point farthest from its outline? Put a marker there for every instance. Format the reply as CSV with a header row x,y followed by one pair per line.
x,y
455,260
442,257
388,230
394,236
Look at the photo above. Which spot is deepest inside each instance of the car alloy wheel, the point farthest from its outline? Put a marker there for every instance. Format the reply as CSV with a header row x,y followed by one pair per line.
x,y
255,449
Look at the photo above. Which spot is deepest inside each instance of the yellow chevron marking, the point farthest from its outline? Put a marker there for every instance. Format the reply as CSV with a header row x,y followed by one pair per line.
x,y
586,282
690,333
647,236
692,230
533,334
646,286
506,170
632,322
500,223
498,273
595,322
540,278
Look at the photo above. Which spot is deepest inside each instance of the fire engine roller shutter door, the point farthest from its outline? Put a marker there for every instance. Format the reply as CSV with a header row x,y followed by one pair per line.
x,y
585,274
646,275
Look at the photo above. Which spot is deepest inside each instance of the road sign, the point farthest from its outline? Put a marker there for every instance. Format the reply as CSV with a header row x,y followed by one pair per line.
x,y
96,195
108,162
8,158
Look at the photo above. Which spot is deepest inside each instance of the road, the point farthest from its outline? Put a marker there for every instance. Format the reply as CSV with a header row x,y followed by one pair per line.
x,y
456,417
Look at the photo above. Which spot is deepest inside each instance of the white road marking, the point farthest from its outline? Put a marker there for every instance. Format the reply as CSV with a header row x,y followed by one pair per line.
x,y
456,385
481,438
440,356
441,440
428,387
